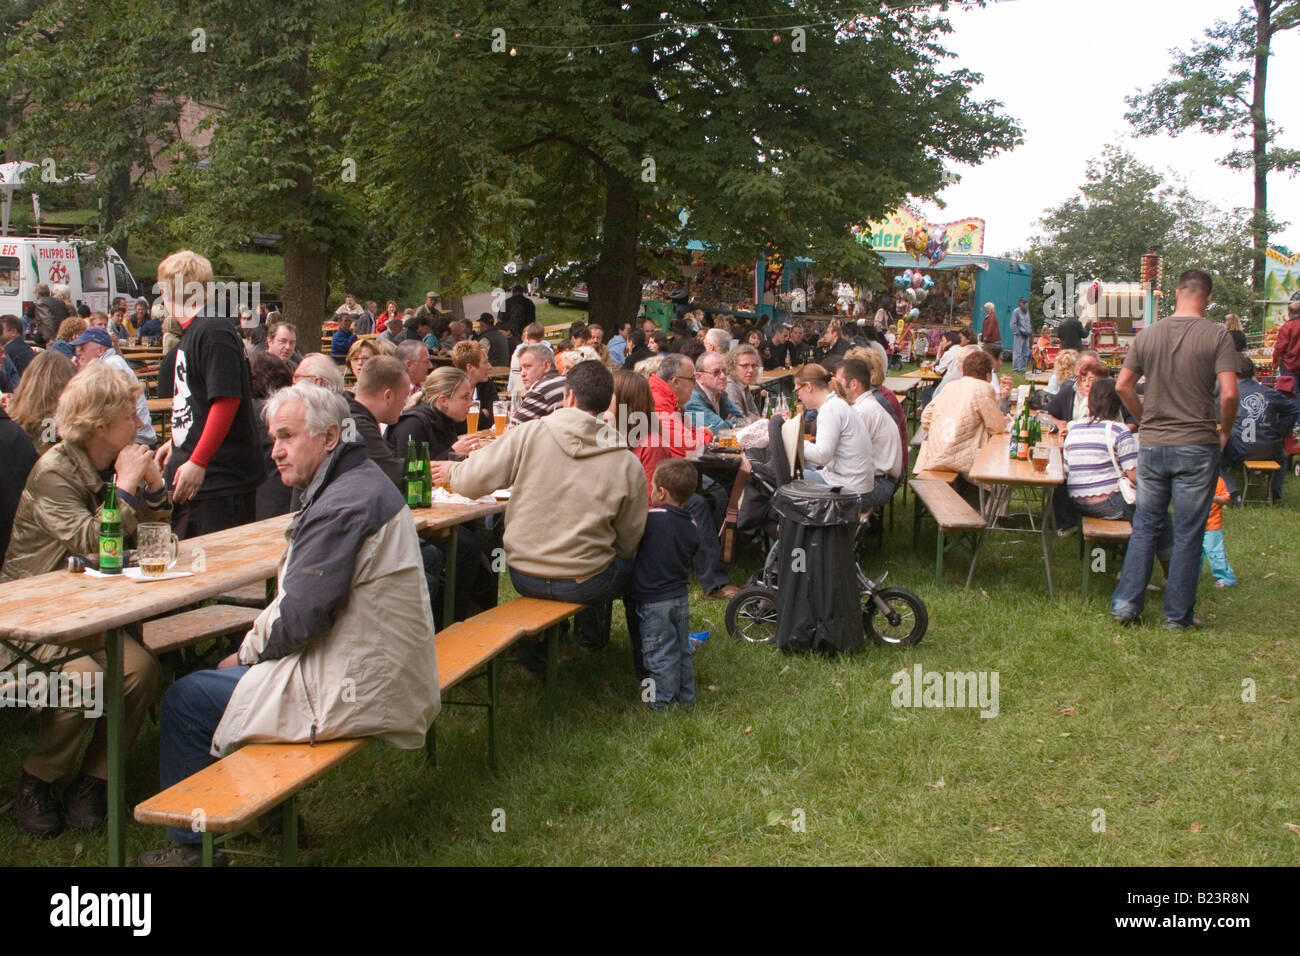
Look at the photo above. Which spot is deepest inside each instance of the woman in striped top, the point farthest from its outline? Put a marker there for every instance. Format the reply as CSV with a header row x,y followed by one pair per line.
x,y
1092,478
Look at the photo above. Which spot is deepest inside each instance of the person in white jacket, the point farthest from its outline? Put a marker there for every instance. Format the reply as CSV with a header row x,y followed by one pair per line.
x,y
346,649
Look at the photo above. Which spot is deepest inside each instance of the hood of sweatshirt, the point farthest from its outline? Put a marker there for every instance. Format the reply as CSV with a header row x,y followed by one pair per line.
x,y
581,435
665,397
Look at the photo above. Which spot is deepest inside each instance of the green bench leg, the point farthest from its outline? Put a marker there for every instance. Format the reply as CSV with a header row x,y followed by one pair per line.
x,y
493,690
938,559
207,848
289,850
1087,571
449,583
431,745
552,665
116,718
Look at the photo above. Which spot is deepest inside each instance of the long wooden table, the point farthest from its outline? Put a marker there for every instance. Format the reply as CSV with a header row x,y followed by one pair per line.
x,y
65,609
998,476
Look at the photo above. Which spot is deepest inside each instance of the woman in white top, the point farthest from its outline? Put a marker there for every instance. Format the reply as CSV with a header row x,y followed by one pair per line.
x,y
842,450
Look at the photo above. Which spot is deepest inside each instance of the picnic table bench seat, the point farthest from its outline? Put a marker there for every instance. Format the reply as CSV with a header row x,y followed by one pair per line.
x,y
188,628
1105,531
237,790
950,512
250,595
1257,465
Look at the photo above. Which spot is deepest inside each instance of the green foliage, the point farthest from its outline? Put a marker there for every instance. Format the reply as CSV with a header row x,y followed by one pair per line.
x,y
1123,209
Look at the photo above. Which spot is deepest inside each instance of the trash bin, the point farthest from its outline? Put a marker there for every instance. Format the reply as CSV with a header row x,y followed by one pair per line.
x,y
819,604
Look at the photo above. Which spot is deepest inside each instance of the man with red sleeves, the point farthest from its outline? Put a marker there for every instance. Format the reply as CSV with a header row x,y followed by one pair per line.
x,y
213,463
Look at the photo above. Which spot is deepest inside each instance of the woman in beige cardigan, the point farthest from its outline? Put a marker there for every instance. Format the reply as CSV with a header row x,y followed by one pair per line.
x,y
961,419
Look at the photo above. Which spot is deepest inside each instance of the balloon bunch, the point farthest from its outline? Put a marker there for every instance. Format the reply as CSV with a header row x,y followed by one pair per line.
x,y
937,248
916,240
914,286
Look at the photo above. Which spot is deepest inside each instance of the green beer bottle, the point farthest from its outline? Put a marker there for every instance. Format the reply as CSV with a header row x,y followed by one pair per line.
x,y
110,533
414,484
426,477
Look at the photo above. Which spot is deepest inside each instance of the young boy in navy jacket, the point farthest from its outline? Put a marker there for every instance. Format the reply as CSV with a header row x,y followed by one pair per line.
x,y
659,585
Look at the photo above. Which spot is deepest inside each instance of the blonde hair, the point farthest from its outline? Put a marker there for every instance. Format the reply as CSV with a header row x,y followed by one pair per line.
x,y
734,355
43,381
647,367
361,345
1233,322
566,360
814,374
443,383
97,396
1066,360
467,353
177,271
71,327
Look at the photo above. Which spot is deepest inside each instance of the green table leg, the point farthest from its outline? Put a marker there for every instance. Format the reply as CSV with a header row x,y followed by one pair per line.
x,y
552,665
1048,528
493,690
116,717
207,849
449,582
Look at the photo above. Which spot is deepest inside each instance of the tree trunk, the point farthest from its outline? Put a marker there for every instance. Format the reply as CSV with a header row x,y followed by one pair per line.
x,y
1259,220
305,275
613,287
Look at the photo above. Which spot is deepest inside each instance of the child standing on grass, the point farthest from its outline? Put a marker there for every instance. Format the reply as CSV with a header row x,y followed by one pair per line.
x,y
659,585
1212,543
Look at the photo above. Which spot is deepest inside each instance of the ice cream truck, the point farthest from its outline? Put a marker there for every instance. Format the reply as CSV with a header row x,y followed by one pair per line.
x,y
96,280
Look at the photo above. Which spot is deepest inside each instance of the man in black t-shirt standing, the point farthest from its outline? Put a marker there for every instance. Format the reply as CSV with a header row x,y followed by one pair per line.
x,y
213,463
517,314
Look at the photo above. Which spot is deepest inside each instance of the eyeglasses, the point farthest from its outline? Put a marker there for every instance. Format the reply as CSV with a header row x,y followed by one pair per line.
x,y
685,378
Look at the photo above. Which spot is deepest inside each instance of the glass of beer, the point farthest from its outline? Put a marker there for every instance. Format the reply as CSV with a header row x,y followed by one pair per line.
x,y
157,549
471,420
500,412
1041,456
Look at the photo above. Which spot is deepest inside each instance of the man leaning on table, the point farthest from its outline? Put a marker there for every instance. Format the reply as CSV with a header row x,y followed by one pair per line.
x,y
580,554
334,655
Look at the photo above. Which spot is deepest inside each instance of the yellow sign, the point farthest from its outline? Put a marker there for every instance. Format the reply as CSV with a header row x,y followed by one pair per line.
x,y
963,236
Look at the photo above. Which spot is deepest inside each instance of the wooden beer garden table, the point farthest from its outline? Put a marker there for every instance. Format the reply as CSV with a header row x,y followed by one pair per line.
x,y
768,376
998,476
68,609
924,376
907,389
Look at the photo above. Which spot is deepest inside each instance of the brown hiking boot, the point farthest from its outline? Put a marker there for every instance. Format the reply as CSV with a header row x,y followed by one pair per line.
x,y
179,854
35,809
85,803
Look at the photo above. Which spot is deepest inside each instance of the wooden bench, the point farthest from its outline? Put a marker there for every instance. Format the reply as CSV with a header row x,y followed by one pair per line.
x,y
1105,532
1266,468
194,627
236,791
950,512
257,594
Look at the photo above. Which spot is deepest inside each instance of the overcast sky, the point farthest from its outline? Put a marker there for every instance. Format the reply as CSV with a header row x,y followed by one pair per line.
x,y
1062,69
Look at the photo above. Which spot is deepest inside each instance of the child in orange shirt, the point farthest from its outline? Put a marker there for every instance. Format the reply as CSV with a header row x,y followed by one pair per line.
x,y
1212,542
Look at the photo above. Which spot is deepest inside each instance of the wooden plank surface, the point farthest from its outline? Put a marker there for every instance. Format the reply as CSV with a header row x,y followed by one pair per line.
x,y
993,467
1102,529
916,373
948,508
159,404
59,607
901,386
768,376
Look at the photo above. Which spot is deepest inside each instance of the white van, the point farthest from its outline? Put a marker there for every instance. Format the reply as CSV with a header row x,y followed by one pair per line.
x,y
25,262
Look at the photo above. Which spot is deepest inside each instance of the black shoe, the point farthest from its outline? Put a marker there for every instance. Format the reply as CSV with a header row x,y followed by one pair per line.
x,y
179,854
85,803
532,656
35,809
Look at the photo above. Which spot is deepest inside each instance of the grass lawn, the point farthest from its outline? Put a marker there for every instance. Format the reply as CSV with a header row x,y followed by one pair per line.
x,y
1111,746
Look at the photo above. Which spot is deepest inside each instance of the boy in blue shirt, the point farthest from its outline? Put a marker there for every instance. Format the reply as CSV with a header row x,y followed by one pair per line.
x,y
659,585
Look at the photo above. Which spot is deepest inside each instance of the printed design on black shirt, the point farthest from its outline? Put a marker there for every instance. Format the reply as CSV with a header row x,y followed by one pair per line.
x,y
182,414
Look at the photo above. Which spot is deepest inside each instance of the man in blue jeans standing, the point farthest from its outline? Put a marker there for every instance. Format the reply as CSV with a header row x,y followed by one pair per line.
x,y
1182,357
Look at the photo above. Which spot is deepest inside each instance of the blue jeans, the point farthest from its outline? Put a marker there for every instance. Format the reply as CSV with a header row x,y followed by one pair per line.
x,y
666,648
592,622
192,708
1212,542
1238,451
707,563
1020,353
1185,475
880,493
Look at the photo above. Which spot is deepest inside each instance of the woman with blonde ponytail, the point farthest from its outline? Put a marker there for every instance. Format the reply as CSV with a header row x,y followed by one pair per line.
x,y
842,450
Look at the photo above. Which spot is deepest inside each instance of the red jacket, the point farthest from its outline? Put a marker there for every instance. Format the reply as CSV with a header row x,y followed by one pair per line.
x,y
677,435
1286,350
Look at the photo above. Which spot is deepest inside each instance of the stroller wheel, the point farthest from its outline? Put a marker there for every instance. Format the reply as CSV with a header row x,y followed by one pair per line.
x,y
751,615
904,623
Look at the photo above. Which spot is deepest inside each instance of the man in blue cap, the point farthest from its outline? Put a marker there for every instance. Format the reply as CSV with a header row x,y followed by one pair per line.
x,y
95,345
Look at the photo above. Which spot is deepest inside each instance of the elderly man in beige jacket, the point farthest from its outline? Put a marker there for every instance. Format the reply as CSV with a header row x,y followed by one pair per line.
x,y
346,648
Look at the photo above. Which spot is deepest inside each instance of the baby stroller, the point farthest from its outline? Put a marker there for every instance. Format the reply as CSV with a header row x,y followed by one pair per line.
x,y
890,616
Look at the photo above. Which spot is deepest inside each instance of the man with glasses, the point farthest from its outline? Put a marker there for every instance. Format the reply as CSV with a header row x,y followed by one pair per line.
x,y
708,406
1182,357
319,370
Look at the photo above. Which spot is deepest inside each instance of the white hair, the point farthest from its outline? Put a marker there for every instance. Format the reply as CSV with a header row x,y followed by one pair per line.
x,y
324,409
329,374
720,340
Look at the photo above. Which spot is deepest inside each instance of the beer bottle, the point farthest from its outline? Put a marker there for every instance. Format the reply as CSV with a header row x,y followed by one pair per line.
x,y
426,477
110,533
1012,443
1022,447
414,486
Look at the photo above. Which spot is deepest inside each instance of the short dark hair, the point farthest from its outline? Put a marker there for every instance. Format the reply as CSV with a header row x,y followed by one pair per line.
x,y
637,338
1245,367
270,373
692,348
83,310
592,386
995,352
12,322
578,330
275,327
487,318
856,370
1103,400
1197,280
379,373
516,289
978,364
677,477
967,333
